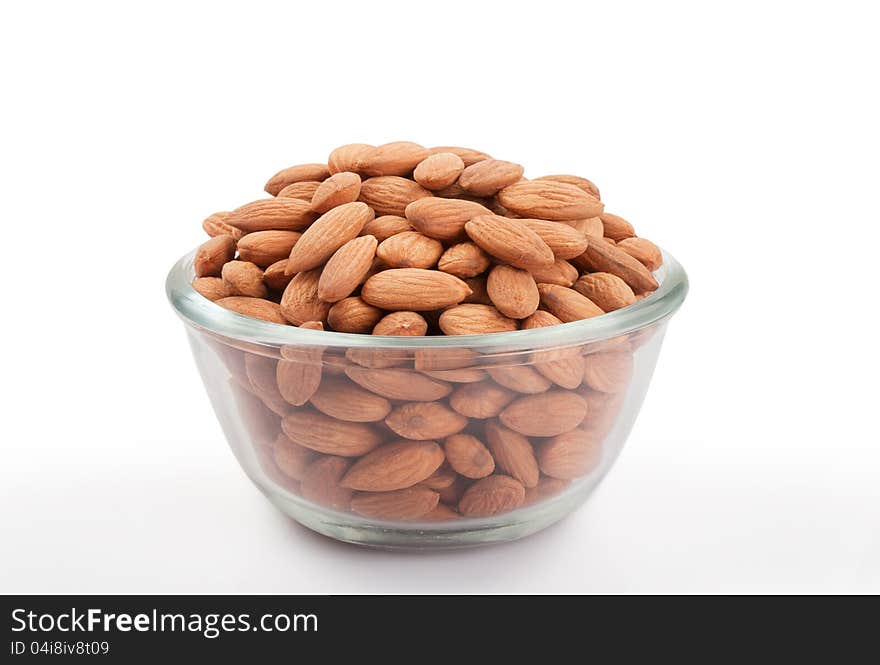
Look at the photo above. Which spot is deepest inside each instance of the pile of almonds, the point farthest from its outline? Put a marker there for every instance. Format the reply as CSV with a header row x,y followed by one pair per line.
x,y
401,240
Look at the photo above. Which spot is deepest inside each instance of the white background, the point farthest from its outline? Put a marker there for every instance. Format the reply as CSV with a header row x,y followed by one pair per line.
x,y
743,139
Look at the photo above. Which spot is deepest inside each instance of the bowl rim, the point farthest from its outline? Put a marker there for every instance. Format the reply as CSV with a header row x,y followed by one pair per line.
x,y
198,311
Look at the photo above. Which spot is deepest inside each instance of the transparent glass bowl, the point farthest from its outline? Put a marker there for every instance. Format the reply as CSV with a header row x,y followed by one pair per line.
x,y
571,392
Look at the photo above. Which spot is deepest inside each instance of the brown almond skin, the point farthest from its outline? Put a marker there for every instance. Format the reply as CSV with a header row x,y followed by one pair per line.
x,y
548,414
244,279
300,301
464,375
264,248
487,177
474,320
398,158
409,249
332,436
298,373
565,241
546,488
339,188
468,155
353,315
442,478
347,268
399,384
616,228
540,319
581,183
275,278
564,367
602,410
212,255
406,324
480,400
591,227
213,288
468,456
646,252
216,225
561,273
390,195
608,372
297,173
443,218
567,304
385,226
441,513
513,453
604,257
344,400
290,457
300,190
520,378
412,503
546,199
479,292
330,232
509,241
513,291
491,496
395,466
570,455
422,421
438,170
606,290
253,307
284,214
346,157
414,289
464,260
320,483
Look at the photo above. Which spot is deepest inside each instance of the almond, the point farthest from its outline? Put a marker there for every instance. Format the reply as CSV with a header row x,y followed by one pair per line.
x,y
213,288
385,226
411,503
271,399
468,456
441,359
423,421
346,157
347,268
561,273
591,227
438,170
616,228
509,241
267,247
330,232
243,278
353,315
546,199
216,225
300,190
646,252
567,305
563,240
212,254
570,455
467,155
394,466
392,159
443,478
479,291
488,176
409,249
455,191
253,307
464,260
341,399
399,384
491,496
474,320
298,373
480,400
513,453
260,371
603,257
464,375
577,181
564,367
274,276
290,457
401,324
520,378
606,290
546,488
547,414
389,195
300,301
441,513
540,319
329,435
443,218
413,289
339,188
451,495
602,410
608,372
285,214
320,483
293,174
513,291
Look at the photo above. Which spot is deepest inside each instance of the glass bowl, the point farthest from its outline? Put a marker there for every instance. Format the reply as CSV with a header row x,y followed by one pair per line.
x,y
550,408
